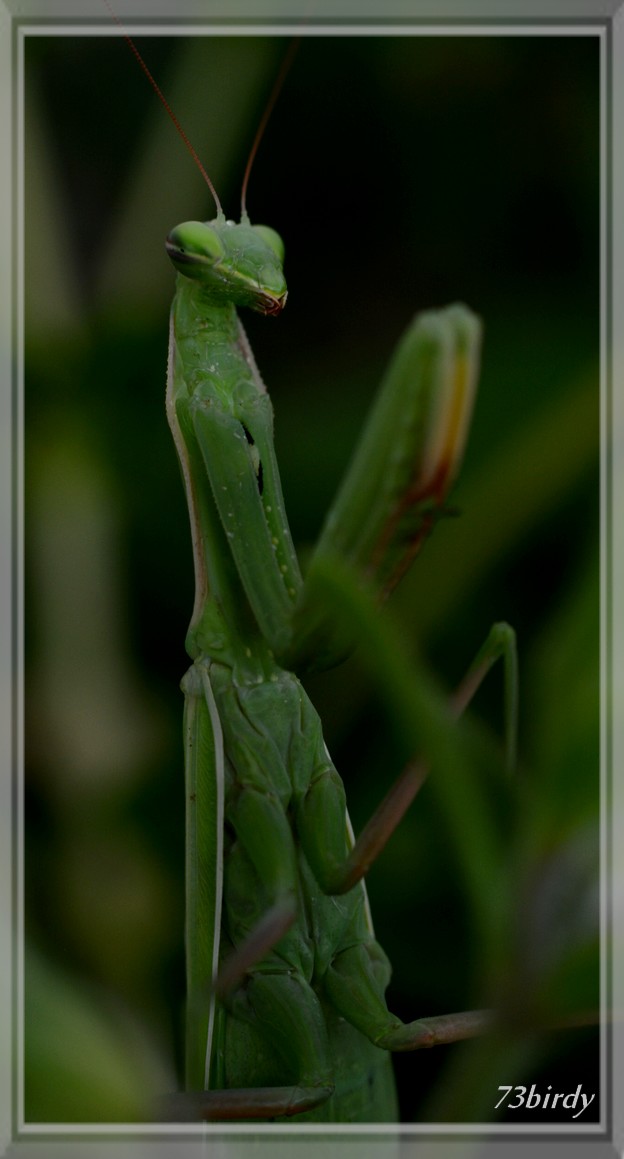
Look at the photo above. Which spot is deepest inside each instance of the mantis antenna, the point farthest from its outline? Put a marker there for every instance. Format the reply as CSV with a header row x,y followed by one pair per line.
x,y
264,120
161,96
279,81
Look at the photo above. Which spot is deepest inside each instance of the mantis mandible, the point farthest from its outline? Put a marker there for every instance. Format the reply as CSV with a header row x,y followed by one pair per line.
x,y
286,1014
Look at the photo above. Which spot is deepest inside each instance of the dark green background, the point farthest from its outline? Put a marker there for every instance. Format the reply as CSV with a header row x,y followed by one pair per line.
x,y
403,172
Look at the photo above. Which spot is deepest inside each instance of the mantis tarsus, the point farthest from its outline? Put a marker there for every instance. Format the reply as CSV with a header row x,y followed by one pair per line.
x,y
286,1008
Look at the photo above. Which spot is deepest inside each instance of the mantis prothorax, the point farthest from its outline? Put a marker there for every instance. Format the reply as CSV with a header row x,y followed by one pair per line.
x,y
286,1009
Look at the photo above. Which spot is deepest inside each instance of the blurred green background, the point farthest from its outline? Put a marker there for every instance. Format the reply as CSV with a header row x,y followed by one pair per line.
x,y
403,173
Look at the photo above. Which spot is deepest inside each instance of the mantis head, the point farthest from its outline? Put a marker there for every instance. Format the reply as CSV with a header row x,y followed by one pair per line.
x,y
242,263
234,263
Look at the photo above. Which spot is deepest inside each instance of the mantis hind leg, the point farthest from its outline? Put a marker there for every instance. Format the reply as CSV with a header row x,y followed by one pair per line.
x,y
274,1030
320,818
355,983
241,1103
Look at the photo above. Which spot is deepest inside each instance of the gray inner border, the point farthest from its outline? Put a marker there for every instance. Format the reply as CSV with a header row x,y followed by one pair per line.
x,y
585,16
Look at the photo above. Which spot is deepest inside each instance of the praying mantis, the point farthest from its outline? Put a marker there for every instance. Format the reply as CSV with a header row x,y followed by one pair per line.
x,y
286,1014
420,864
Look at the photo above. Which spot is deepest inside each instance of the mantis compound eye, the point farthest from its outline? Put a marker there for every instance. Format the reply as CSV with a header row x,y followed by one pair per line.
x,y
272,239
194,245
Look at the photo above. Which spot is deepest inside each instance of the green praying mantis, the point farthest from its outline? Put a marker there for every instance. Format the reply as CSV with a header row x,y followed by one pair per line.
x,y
286,1014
